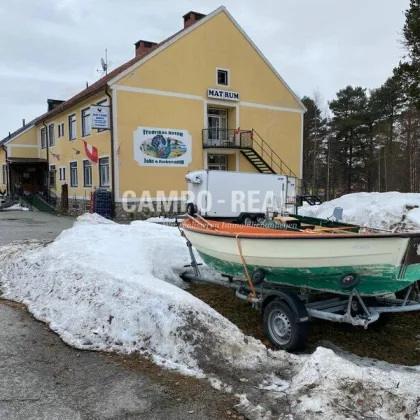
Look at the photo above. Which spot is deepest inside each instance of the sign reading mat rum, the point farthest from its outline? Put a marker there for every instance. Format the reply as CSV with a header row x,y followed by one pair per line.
x,y
162,147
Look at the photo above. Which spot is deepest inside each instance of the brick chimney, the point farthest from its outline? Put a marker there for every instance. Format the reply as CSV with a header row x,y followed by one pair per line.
x,y
143,46
191,17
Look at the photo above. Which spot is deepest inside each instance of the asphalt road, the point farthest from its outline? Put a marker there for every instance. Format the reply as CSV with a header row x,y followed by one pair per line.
x,y
41,378
20,225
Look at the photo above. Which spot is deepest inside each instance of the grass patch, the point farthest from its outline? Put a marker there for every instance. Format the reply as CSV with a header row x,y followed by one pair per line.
x,y
396,342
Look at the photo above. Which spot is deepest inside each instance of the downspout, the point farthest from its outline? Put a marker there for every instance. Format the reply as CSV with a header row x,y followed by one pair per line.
x,y
111,127
48,157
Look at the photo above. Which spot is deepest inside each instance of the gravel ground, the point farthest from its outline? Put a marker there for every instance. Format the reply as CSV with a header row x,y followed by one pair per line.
x,y
43,378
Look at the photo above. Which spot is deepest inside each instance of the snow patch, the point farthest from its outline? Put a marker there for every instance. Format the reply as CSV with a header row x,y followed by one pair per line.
x,y
377,210
16,207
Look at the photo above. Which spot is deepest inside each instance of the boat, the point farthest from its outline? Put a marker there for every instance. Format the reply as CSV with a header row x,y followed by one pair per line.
x,y
374,264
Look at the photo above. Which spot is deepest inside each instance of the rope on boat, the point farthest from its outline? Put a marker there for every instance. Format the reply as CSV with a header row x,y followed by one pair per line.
x,y
251,285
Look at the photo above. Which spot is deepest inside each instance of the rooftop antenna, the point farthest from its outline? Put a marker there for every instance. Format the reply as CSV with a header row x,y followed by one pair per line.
x,y
104,64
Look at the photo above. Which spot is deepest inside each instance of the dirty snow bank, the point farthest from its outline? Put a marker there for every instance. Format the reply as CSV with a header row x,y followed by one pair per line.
x,y
106,286
113,287
378,210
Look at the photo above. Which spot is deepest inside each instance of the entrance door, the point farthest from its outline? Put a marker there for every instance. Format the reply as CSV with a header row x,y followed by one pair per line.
x,y
217,124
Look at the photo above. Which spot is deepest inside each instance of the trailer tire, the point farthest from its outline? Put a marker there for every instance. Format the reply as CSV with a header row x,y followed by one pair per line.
x,y
258,276
247,220
192,209
281,326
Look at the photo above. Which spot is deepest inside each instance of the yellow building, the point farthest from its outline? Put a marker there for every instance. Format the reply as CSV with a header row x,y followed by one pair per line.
x,y
205,98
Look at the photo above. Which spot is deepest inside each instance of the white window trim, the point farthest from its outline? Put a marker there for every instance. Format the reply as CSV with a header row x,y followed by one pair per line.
x,y
64,125
228,76
91,173
68,126
77,171
60,171
52,123
40,137
109,169
55,177
81,122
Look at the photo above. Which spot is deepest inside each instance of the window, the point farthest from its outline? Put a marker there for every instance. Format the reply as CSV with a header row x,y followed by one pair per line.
x,y
51,138
103,102
217,162
104,172
61,130
86,123
52,176
43,138
4,172
73,174
222,77
87,173
72,127
62,172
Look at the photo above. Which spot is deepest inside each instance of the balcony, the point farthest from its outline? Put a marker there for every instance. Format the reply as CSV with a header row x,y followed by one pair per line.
x,y
227,139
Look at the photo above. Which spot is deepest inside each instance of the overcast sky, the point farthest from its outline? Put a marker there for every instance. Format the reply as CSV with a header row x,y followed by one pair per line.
x,y
50,48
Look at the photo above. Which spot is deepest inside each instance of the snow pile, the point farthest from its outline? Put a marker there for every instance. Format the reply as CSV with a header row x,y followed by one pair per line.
x,y
389,211
16,207
163,220
105,286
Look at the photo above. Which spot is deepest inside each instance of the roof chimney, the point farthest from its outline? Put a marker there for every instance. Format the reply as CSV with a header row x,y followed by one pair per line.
x,y
191,17
52,103
143,47
23,122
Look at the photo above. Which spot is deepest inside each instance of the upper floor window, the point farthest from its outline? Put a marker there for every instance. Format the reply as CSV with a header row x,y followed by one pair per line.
x,y
86,123
60,130
72,127
51,137
43,138
223,77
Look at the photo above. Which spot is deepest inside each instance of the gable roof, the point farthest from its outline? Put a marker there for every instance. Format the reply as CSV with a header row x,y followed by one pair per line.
x,y
102,83
129,66
19,131
160,47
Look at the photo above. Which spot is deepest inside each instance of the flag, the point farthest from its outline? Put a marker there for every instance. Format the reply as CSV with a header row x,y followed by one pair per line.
x,y
237,130
91,152
57,156
118,150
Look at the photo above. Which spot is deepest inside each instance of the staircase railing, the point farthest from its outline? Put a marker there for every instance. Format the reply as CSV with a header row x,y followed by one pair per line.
x,y
252,140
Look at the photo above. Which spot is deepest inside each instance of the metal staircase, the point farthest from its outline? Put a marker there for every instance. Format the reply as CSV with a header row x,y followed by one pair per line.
x,y
252,147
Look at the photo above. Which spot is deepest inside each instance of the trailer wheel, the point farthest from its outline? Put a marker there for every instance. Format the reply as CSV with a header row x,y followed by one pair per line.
x,y
258,276
247,220
281,328
192,209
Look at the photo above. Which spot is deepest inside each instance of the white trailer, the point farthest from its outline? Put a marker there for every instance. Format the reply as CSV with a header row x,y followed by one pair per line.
x,y
239,196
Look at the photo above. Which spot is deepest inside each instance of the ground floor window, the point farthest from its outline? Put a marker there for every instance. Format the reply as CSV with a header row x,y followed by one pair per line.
x,y
104,172
52,176
87,173
4,173
217,162
62,173
73,174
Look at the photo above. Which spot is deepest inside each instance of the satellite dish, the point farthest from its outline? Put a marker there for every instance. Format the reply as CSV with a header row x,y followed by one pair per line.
x,y
104,65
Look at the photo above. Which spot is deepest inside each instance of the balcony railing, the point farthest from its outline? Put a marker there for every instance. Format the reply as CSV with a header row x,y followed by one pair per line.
x,y
227,138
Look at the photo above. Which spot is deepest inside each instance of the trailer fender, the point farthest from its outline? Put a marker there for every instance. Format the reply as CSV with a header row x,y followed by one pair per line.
x,y
295,304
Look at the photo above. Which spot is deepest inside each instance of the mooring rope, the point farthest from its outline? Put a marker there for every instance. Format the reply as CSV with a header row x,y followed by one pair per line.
x,y
251,285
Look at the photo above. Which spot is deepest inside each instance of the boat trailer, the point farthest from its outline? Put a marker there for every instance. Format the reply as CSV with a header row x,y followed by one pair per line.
x,y
286,311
